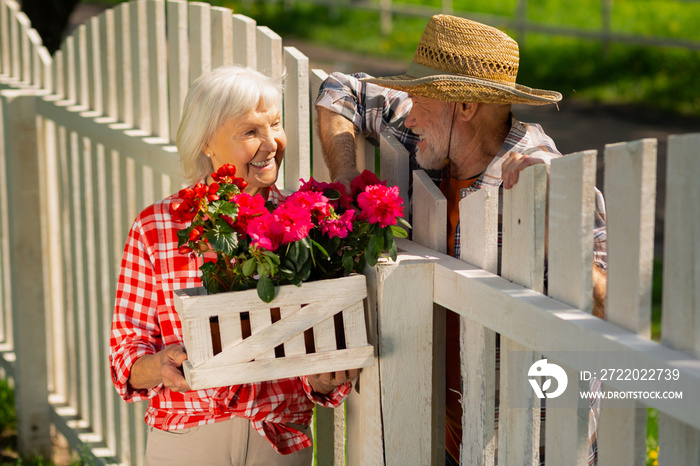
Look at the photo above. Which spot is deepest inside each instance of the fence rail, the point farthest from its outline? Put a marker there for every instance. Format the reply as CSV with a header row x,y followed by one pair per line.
x,y
86,142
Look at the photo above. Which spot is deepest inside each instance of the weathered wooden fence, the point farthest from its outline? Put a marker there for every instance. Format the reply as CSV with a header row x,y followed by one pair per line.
x,y
87,142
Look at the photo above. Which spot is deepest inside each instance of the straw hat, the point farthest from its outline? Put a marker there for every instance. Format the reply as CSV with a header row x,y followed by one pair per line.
x,y
459,60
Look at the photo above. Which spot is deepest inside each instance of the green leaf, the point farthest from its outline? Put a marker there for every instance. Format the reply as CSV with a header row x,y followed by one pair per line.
x,y
183,236
223,207
391,248
305,271
320,248
248,267
223,238
348,263
399,232
293,252
266,289
403,222
331,194
303,252
374,248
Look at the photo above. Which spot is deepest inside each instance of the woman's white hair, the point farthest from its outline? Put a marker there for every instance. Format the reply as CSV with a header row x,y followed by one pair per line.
x,y
214,98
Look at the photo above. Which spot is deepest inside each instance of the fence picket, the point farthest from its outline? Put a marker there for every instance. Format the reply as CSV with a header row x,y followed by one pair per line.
x,y
140,66
178,61
94,75
221,37
244,34
479,245
15,50
630,191
122,41
319,169
5,40
431,205
199,22
157,90
81,65
680,326
571,209
394,166
269,62
296,119
108,68
524,208
25,62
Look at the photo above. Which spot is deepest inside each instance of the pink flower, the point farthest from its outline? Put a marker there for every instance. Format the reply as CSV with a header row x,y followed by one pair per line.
x,y
338,226
314,202
379,204
366,178
260,232
249,207
292,221
344,201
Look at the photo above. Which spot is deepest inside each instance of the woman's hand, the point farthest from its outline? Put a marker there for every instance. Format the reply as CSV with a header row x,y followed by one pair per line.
x,y
163,367
325,383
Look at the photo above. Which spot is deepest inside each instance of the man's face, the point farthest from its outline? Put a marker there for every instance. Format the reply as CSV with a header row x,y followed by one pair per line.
x,y
431,120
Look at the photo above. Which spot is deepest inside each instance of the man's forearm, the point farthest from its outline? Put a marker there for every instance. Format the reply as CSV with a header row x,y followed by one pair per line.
x,y
337,135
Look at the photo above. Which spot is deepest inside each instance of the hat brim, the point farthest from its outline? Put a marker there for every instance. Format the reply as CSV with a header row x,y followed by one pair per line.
x,y
455,88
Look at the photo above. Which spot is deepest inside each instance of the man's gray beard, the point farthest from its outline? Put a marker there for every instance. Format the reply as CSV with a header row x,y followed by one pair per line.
x,y
429,161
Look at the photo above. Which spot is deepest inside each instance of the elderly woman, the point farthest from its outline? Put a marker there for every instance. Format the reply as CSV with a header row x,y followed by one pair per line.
x,y
230,116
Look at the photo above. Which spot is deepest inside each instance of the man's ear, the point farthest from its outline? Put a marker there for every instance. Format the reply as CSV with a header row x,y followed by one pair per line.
x,y
466,110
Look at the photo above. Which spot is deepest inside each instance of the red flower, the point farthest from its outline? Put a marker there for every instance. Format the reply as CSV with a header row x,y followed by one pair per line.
x,y
366,178
226,174
196,233
184,212
379,204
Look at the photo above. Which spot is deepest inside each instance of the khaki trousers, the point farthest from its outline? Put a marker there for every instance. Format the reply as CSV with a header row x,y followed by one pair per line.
x,y
234,442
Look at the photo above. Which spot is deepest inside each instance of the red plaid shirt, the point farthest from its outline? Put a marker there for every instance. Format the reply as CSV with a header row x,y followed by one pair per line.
x,y
145,321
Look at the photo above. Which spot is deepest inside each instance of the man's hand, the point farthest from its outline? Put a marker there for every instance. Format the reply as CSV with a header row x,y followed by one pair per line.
x,y
325,383
163,367
516,162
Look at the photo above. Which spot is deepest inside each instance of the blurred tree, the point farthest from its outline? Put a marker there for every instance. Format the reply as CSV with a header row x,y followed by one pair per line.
x,y
49,18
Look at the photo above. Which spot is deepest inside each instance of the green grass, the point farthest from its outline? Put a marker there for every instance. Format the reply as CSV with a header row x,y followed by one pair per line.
x,y
658,77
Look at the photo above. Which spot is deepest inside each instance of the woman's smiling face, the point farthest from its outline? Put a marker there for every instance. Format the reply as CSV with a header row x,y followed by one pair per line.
x,y
253,143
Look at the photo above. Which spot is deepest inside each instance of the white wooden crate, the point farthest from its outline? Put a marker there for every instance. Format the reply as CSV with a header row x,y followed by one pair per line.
x,y
311,337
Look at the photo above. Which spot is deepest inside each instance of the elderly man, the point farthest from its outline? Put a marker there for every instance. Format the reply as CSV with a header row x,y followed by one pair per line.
x,y
451,110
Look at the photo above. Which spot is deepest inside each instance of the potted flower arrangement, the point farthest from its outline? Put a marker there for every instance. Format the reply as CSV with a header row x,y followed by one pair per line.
x,y
320,232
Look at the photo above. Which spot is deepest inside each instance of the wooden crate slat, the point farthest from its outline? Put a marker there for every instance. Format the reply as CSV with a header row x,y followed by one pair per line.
x,y
270,369
266,335
294,345
197,332
259,322
354,325
231,331
220,304
312,306
324,336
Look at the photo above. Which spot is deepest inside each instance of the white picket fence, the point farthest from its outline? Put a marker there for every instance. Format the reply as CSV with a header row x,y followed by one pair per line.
x,y
87,143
